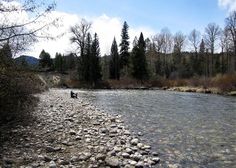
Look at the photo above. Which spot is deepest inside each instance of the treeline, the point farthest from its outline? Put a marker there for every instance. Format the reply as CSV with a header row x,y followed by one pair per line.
x,y
162,56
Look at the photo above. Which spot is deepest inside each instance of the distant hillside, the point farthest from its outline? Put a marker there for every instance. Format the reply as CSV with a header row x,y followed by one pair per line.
x,y
28,59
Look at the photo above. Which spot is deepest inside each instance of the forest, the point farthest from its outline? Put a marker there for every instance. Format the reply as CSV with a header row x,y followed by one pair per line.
x,y
161,57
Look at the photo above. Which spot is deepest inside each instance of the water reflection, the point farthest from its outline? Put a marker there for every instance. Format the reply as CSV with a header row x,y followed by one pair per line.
x,y
187,129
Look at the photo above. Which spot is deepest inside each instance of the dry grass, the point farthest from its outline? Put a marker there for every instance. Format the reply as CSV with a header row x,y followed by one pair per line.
x,y
224,83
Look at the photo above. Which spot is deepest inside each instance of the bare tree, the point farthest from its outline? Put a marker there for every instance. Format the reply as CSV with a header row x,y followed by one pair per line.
x,y
19,34
167,40
79,34
212,33
179,41
195,39
166,48
158,41
231,27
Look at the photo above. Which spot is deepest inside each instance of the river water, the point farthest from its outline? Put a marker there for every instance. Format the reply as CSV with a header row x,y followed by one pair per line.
x,y
186,129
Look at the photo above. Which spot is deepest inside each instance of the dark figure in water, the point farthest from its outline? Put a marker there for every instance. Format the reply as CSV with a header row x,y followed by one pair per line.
x,y
73,95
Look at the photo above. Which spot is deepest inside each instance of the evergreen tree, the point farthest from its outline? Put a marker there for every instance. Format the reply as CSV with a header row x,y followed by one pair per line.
x,y
87,59
139,60
70,61
45,60
124,47
95,60
84,60
59,63
115,62
203,67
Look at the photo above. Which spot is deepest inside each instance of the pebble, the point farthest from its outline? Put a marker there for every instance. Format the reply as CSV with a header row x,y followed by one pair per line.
x,y
112,161
72,135
52,164
134,141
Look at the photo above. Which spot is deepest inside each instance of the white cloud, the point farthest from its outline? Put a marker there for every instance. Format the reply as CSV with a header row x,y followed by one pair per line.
x,y
230,5
106,27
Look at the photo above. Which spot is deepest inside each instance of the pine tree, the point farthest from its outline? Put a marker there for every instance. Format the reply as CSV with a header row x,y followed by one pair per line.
x,y
95,60
70,61
59,63
124,47
139,60
203,67
45,60
87,59
84,60
114,63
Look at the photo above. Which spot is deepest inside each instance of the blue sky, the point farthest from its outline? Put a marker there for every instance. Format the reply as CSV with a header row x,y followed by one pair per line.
x,y
177,15
147,16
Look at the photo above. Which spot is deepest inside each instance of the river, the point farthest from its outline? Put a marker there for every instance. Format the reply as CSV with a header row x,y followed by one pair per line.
x,y
186,129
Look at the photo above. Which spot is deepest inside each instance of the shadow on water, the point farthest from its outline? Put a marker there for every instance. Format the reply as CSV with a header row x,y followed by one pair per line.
x,y
187,129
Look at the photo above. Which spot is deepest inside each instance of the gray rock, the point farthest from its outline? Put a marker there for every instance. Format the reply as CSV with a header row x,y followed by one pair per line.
x,y
100,156
134,141
104,130
137,156
128,150
155,154
77,138
132,162
112,161
113,125
140,145
126,133
156,159
113,131
52,164
63,162
125,155
146,147
72,132
74,159
117,149
85,156
52,149
140,134
47,158
140,164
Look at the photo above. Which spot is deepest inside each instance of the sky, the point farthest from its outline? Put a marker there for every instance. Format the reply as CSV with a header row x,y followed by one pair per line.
x,y
148,16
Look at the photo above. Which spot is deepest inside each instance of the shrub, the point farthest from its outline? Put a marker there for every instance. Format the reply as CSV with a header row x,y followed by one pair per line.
x,y
16,89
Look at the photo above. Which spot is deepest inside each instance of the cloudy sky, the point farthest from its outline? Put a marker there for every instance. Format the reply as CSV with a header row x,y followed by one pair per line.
x,y
148,16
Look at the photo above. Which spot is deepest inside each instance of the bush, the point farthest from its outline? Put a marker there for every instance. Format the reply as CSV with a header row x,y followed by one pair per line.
x,y
16,89
226,82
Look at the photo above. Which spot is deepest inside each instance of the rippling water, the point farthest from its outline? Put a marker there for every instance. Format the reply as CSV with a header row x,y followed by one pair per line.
x,y
186,129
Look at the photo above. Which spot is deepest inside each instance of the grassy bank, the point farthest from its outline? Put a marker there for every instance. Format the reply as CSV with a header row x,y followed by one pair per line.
x,y
220,84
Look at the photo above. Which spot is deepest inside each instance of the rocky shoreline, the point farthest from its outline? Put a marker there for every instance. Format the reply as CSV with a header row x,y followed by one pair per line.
x,y
71,133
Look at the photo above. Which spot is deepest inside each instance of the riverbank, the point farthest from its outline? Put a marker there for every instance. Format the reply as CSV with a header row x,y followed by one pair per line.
x,y
200,90
220,84
67,132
